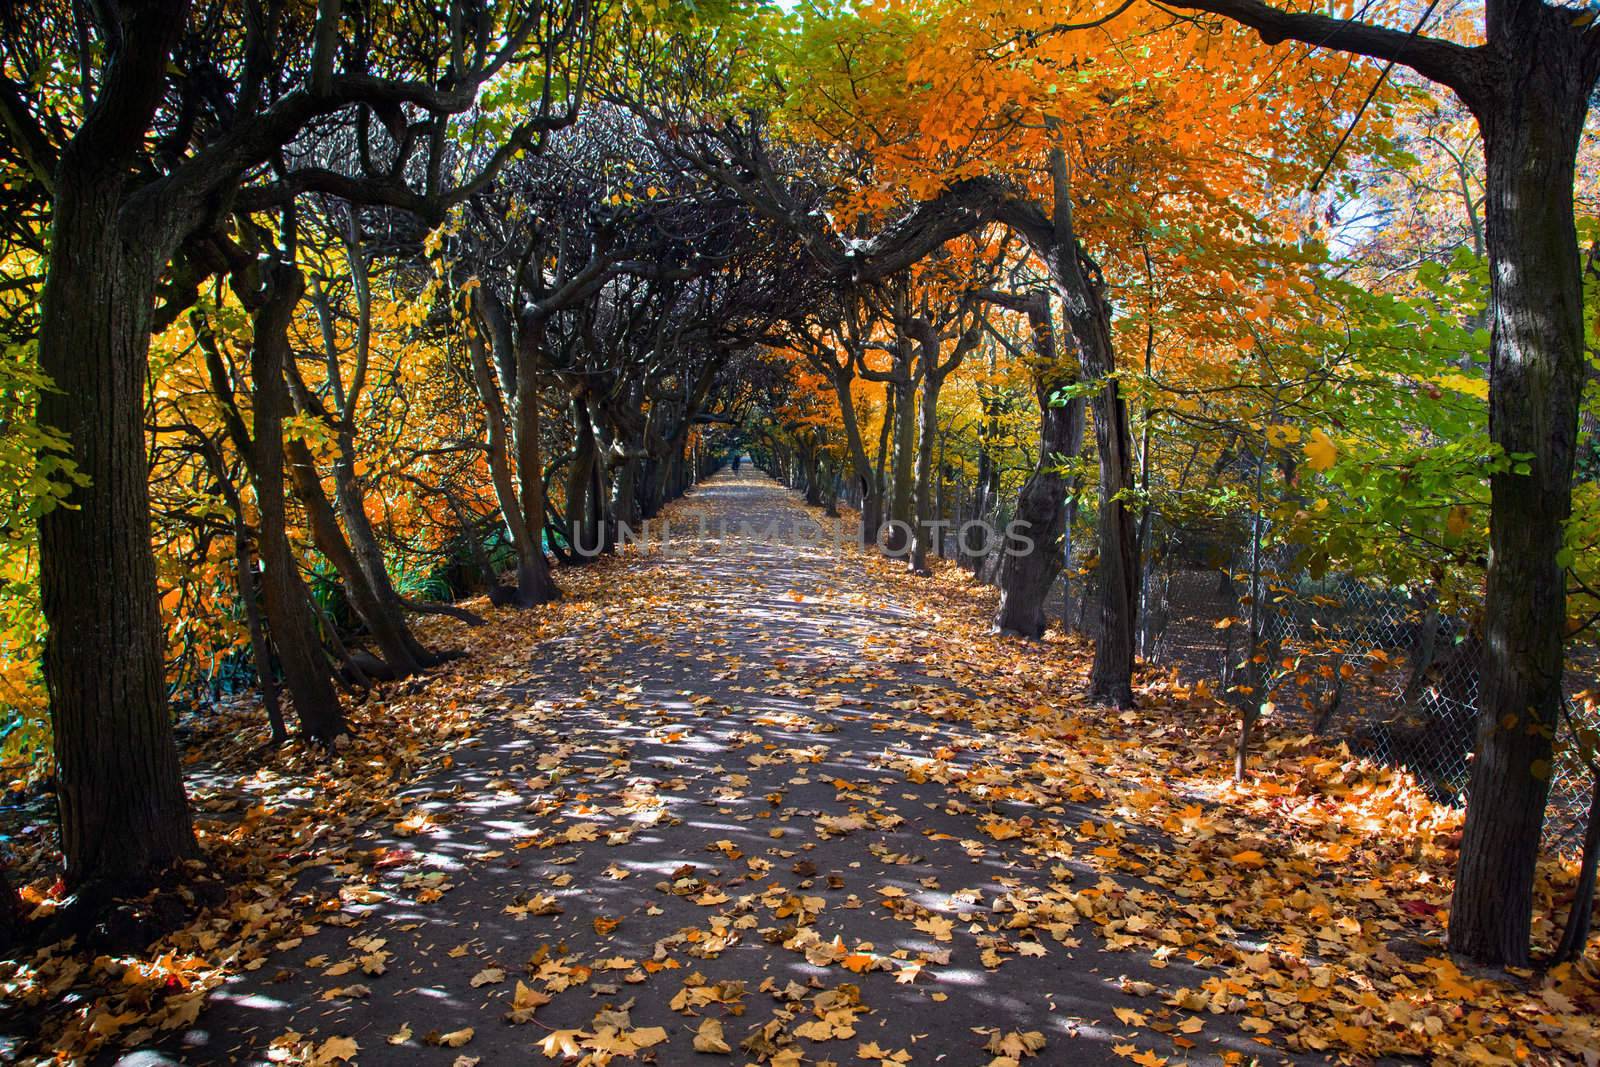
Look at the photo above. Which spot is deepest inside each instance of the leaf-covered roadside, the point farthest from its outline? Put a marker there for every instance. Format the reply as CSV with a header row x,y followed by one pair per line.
x,y
1299,913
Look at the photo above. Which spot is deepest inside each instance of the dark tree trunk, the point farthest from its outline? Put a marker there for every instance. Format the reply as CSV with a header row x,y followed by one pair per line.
x,y
813,479
583,525
1530,129
124,816
1111,677
1088,314
387,626
522,509
1077,281
901,482
249,596
625,495
500,476
928,431
306,671
1575,936
1529,87
534,584
878,483
1026,577
871,500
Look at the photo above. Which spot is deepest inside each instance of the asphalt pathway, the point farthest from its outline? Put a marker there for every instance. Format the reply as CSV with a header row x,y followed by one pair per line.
x,y
722,798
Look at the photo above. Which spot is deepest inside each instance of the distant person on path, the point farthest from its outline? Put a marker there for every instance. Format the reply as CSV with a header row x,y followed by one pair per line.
x,y
736,458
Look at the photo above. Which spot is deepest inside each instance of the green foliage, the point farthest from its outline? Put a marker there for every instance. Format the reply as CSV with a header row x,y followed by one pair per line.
x,y
36,475
1406,497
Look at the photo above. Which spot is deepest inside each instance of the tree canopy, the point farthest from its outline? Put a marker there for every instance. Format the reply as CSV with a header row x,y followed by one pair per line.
x,y
1225,348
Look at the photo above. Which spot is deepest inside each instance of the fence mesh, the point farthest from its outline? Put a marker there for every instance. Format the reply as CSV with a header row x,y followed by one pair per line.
x,y
1380,669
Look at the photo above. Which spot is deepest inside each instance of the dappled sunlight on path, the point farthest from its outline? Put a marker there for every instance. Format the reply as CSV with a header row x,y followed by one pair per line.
x,y
706,800
740,796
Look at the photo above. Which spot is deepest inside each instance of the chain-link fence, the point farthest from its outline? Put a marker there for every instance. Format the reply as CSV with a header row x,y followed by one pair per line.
x,y
1383,670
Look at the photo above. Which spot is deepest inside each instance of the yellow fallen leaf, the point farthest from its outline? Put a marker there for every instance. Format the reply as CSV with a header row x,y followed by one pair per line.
x,y
457,1038
335,1050
709,1037
525,1000
559,1044
488,976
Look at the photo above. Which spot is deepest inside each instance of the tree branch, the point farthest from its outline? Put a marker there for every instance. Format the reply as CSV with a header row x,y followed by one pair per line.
x,y
1457,66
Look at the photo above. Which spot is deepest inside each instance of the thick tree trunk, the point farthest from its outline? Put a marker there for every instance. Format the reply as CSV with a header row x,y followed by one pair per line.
x,y
1531,135
1111,676
124,816
1529,86
1077,281
649,492
625,497
1026,577
582,524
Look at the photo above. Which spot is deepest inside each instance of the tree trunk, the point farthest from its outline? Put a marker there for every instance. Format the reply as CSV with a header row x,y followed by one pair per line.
x,y
524,541
249,596
813,479
928,430
582,519
871,500
534,584
1078,282
625,496
294,629
124,816
830,488
1575,936
1088,314
901,482
387,626
1026,577
1530,132
1111,677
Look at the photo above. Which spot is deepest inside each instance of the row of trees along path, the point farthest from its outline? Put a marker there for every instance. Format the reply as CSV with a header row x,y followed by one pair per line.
x,y
616,242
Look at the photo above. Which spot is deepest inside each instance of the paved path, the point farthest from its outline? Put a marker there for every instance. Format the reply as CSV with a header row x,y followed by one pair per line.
x,y
722,794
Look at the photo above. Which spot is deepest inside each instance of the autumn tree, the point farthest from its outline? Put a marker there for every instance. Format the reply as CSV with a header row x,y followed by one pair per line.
x,y
1529,84
141,142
